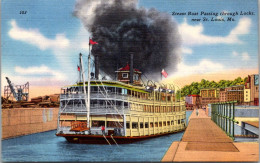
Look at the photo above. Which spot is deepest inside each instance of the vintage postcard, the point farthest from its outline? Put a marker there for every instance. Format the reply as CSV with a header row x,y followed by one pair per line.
x,y
130,80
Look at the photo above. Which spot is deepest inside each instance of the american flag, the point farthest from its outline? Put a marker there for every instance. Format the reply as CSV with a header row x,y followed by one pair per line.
x,y
164,73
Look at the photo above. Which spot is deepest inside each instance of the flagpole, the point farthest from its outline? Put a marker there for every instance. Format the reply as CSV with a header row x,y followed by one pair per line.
x,y
161,75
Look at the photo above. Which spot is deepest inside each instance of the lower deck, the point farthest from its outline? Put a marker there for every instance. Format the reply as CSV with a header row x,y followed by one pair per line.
x,y
127,124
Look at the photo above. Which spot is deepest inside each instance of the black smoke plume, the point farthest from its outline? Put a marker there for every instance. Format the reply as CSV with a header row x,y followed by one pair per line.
x,y
120,27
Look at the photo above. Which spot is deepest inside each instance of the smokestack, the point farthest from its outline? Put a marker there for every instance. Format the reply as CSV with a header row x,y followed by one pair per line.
x,y
96,66
131,67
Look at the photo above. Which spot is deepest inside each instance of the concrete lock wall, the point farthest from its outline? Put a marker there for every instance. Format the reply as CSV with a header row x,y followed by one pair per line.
x,y
24,121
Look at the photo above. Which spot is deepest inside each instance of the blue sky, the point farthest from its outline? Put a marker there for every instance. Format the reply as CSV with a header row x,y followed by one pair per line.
x,y
42,46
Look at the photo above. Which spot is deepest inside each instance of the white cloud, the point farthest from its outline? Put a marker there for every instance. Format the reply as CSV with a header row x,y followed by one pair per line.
x,y
186,50
36,76
242,27
204,66
34,37
193,35
42,70
243,56
234,53
64,50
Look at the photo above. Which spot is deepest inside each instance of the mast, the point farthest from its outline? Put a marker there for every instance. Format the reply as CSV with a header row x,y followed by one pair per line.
x,y
84,88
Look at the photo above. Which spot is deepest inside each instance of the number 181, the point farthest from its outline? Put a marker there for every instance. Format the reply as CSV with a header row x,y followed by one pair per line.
x,y
23,12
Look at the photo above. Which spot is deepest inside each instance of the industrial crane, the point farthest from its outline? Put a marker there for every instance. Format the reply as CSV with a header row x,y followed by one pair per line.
x,y
22,90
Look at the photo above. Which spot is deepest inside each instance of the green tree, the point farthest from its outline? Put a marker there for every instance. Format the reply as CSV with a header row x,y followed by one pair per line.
x,y
195,92
245,79
178,95
194,87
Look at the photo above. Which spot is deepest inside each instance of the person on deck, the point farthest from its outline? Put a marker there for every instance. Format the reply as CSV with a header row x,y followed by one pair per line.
x,y
103,129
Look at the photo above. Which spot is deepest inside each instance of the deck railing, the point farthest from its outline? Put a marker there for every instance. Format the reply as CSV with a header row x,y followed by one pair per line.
x,y
223,114
120,97
101,109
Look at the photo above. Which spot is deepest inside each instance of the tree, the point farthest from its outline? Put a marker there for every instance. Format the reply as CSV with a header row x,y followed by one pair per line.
x,y
178,95
245,79
195,92
194,87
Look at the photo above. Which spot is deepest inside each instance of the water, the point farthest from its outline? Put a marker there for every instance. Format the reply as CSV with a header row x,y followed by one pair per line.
x,y
48,147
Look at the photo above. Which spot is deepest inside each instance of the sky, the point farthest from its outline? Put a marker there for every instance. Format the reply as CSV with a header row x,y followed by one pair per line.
x,y
43,45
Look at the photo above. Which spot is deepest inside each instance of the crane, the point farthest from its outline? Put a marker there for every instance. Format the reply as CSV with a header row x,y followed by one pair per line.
x,y
22,90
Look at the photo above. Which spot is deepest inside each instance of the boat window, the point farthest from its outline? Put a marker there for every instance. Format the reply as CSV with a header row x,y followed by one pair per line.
x,y
93,102
83,102
102,102
146,124
124,75
151,124
141,125
114,124
128,92
177,108
98,123
111,89
94,89
134,125
119,103
127,125
156,124
119,90
63,103
135,76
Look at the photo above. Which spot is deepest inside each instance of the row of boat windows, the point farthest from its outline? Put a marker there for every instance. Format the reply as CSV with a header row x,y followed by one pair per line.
x,y
156,109
108,124
135,124
155,124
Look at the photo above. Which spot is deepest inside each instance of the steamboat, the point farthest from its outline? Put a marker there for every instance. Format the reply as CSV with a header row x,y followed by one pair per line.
x,y
118,111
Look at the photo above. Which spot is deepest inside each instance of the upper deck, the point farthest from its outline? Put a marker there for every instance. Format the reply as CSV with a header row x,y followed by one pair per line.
x,y
115,89
108,95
